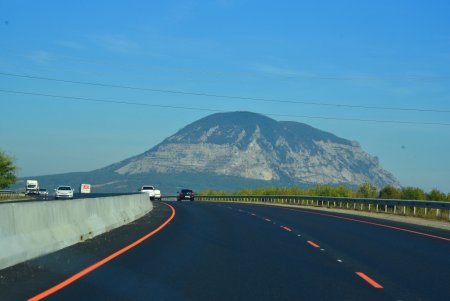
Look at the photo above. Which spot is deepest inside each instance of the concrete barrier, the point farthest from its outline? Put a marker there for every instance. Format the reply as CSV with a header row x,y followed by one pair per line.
x,y
32,229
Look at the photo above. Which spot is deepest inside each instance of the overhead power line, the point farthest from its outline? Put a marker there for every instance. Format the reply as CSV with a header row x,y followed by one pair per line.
x,y
75,98
179,92
246,74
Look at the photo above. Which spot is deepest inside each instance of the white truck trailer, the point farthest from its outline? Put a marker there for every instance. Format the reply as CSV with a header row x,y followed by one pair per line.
x,y
32,187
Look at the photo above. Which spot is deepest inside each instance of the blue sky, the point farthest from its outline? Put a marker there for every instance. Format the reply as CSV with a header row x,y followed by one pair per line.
x,y
390,54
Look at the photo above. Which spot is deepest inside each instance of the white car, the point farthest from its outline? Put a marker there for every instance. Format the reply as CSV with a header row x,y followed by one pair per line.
x,y
153,193
64,192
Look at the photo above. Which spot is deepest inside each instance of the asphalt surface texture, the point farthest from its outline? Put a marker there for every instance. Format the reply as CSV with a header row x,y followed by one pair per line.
x,y
228,251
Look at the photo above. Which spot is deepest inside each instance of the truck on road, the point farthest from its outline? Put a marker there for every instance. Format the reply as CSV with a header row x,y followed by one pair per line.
x,y
153,193
32,187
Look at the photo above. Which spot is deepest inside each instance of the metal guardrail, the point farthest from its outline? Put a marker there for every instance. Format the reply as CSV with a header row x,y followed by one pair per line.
x,y
4,194
378,205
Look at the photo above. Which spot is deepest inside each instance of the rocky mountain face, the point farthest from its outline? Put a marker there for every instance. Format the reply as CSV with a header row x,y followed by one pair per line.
x,y
252,146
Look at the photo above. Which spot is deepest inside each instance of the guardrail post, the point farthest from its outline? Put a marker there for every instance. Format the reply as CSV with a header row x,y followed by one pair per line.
x,y
362,206
414,213
395,209
426,211
385,209
437,212
404,210
377,208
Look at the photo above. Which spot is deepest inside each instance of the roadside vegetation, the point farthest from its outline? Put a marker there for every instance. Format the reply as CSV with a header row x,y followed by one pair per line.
x,y
7,171
365,190
8,177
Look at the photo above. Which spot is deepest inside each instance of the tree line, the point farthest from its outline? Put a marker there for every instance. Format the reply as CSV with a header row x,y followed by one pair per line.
x,y
364,190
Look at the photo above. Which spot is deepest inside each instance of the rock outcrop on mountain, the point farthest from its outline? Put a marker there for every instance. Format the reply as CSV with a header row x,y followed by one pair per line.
x,y
252,146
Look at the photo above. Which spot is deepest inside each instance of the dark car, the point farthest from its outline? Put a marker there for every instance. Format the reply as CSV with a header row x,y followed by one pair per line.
x,y
185,194
43,193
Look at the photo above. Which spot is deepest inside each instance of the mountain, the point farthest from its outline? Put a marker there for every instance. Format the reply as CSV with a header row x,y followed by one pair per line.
x,y
253,146
241,149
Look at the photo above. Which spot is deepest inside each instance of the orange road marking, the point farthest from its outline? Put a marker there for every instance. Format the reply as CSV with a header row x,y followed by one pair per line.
x,y
313,244
286,228
98,264
369,280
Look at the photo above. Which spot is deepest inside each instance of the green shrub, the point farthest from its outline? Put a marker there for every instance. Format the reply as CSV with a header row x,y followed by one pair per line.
x,y
367,190
390,192
7,171
436,195
413,193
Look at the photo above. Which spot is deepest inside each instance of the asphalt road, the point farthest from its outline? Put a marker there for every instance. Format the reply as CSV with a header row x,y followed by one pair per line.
x,y
222,251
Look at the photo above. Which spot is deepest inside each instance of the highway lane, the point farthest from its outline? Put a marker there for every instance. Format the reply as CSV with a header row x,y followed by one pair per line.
x,y
226,251
413,261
